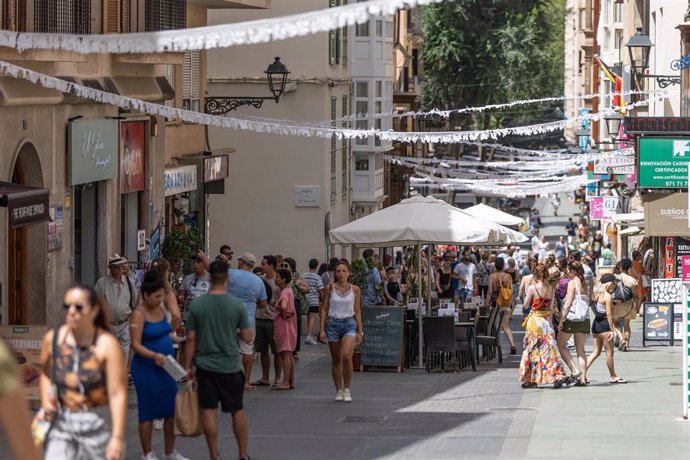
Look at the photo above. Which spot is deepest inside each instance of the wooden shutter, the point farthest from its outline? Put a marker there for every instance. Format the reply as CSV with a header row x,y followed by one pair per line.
x,y
344,38
111,16
332,45
334,103
345,150
191,80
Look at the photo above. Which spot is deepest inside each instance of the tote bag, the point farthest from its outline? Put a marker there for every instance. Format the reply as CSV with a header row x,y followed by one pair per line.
x,y
187,421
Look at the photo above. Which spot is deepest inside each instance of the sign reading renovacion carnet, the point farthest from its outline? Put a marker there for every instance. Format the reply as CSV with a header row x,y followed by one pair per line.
x,y
383,336
664,162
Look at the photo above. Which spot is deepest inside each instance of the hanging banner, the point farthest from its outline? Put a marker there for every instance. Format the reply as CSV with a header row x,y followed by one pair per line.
x,y
669,257
132,156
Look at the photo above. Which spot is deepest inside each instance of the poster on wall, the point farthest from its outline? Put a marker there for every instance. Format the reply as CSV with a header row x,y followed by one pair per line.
x,y
25,343
55,228
132,156
682,249
155,244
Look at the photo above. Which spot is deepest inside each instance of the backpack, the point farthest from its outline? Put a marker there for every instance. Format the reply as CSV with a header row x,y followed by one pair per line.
x,y
622,292
579,309
505,295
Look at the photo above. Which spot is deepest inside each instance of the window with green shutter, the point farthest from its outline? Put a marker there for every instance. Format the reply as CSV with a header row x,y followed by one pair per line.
x,y
334,102
333,36
345,150
343,49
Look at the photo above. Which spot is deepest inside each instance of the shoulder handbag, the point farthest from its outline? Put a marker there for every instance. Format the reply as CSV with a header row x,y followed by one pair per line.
x,y
40,424
578,309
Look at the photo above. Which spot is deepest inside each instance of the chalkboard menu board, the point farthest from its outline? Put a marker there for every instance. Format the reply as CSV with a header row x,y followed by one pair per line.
x,y
383,336
658,323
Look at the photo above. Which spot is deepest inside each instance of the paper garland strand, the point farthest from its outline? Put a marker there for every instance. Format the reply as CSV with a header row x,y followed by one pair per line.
x,y
282,127
210,37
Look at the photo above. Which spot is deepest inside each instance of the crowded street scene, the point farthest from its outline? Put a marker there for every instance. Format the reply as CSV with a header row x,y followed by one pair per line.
x,y
372,229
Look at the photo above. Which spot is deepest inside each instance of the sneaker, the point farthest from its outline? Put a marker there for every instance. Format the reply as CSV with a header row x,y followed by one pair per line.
x,y
310,340
339,395
347,397
175,456
158,424
150,456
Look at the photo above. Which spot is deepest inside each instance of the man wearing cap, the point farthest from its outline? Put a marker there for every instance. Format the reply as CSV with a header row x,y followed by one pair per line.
x,y
120,293
249,288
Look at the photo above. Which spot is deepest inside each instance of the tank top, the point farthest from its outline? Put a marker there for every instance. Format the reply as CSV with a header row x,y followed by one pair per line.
x,y
341,306
79,376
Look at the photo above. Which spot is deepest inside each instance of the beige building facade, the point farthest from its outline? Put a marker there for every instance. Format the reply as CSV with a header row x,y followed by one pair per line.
x,y
284,193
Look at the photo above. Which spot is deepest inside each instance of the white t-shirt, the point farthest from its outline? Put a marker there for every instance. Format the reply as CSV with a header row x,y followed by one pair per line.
x,y
535,243
467,271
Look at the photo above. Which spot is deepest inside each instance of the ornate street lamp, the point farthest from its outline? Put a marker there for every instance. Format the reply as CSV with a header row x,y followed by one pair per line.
x,y
583,139
276,73
613,125
639,46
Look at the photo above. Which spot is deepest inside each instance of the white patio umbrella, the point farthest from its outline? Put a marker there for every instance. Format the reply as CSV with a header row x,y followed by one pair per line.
x,y
482,211
420,220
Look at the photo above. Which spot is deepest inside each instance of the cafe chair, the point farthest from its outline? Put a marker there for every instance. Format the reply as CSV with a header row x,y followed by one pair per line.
x,y
463,336
439,340
485,321
491,342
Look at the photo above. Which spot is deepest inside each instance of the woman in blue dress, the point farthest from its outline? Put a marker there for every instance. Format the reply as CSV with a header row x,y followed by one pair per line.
x,y
156,389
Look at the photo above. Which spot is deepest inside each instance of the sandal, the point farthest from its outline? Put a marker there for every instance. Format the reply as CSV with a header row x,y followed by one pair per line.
x,y
558,384
529,385
261,383
513,350
580,384
623,345
618,380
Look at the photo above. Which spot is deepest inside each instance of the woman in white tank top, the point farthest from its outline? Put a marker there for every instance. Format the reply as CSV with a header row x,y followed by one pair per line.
x,y
341,325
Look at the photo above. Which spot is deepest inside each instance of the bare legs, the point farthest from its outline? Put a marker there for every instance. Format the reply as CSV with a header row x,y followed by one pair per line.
x,y
581,355
239,427
600,342
341,359
505,326
562,341
266,365
288,365
311,321
247,362
146,433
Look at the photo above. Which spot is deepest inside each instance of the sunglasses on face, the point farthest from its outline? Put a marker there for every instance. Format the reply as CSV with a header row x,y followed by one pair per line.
x,y
283,265
79,307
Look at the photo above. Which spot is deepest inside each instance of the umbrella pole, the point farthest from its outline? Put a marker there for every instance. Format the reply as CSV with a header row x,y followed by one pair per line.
x,y
420,302
430,278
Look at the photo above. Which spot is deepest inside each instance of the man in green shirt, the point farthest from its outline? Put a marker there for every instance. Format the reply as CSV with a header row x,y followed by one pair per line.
x,y
212,357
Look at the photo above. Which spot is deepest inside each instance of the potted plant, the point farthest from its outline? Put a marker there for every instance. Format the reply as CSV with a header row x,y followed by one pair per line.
x,y
179,246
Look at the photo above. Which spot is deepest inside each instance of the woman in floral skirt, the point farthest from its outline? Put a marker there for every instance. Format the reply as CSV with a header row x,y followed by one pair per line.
x,y
541,363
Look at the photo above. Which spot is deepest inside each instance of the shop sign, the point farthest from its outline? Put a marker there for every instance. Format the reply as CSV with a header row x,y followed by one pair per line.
x,y
617,165
141,240
132,156
308,197
685,270
25,343
657,125
155,244
669,257
666,214
93,153
55,227
180,179
602,207
215,168
682,250
29,210
664,162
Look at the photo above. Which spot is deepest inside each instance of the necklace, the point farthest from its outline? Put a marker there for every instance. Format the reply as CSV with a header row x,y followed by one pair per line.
x,y
341,289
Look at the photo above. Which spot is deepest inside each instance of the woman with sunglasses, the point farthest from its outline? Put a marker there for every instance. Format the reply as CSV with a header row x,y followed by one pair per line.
x,y
156,389
84,382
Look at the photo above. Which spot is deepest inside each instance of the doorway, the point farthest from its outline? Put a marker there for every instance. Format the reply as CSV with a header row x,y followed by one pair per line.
x,y
26,251
85,232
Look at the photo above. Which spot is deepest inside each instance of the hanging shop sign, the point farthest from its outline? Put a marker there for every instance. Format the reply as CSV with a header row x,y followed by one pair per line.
x,y
603,207
665,214
25,205
663,162
617,165
180,179
669,257
657,125
132,156
93,153
682,252
215,168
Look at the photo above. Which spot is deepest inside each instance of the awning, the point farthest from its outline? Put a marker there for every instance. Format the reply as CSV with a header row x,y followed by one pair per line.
x,y
14,91
26,205
629,218
630,231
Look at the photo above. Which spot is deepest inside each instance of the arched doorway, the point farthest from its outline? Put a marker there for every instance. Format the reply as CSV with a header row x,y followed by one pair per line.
x,y
27,250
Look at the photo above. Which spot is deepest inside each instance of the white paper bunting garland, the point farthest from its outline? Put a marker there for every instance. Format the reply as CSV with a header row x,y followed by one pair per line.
x,y
210,37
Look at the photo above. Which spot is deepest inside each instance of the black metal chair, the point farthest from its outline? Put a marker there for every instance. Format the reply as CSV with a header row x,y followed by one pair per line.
x,y
485,322
439,340
466,344
464,317
491,343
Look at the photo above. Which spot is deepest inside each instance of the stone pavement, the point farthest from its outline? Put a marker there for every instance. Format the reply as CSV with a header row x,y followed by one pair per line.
x,y
481,415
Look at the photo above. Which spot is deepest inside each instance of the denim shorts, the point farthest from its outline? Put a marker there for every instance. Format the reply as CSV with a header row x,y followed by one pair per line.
x,y
463,294
337,328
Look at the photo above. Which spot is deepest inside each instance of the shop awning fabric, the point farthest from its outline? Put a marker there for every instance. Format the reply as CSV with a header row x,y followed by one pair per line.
x,y
26,205
482,211
422,220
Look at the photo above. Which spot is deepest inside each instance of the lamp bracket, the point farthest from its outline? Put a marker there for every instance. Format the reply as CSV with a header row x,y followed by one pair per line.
x,y
222,105
664,81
